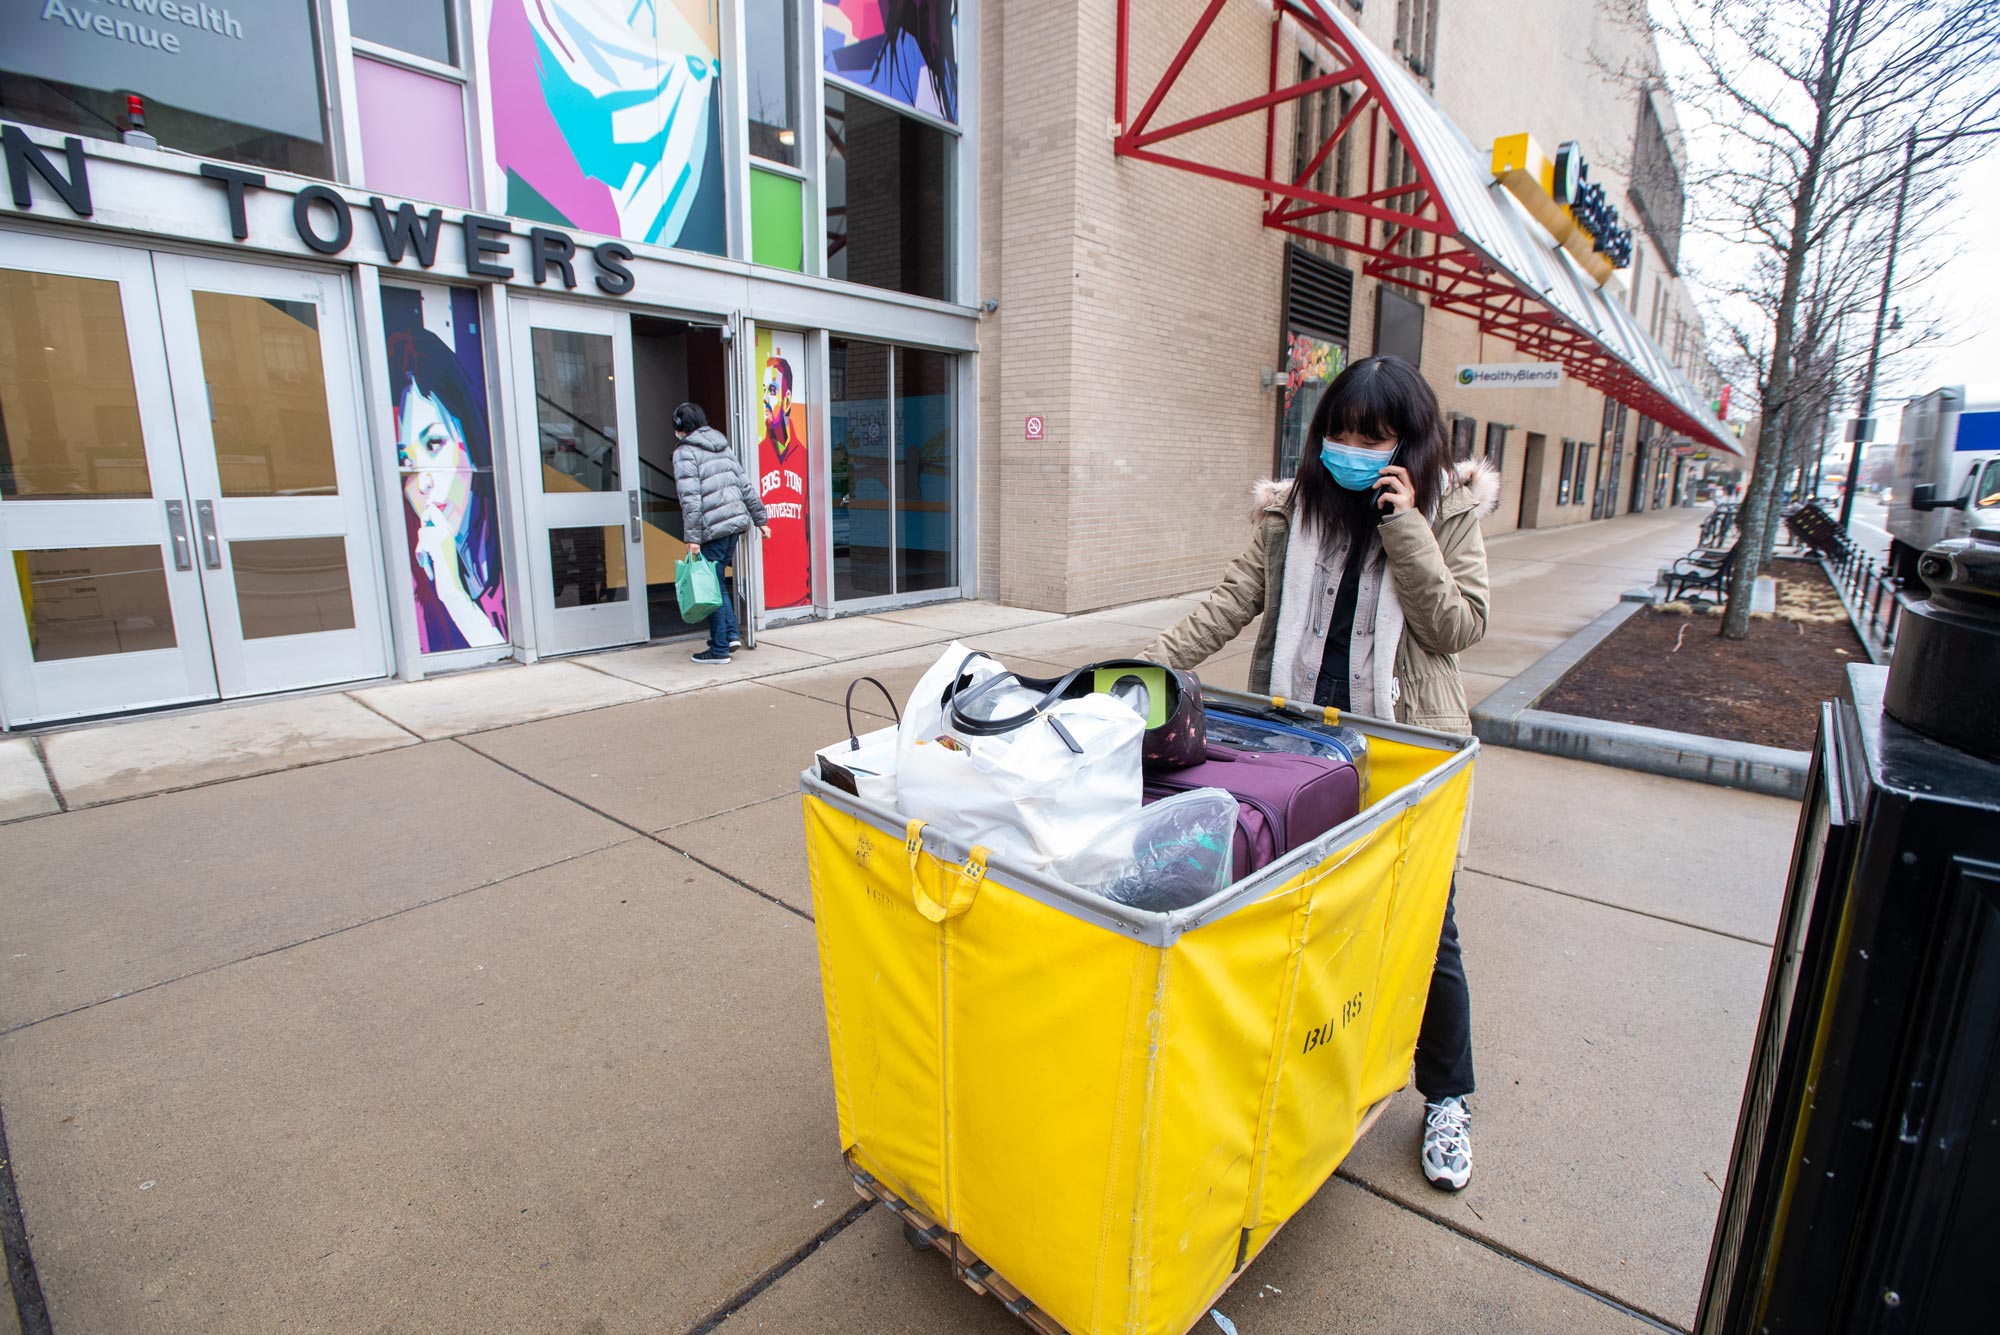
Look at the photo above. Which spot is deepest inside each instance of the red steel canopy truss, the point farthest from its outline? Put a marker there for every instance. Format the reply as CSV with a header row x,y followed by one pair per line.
x,y
1406,234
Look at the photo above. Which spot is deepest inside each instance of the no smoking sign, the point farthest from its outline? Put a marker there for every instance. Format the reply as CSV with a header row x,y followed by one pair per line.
x,y
1034,426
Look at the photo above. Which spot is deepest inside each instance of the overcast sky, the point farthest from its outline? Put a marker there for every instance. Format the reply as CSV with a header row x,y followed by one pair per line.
x,y
1949,264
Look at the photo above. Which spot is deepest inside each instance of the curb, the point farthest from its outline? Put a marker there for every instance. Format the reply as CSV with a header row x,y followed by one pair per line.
x,y
1508,717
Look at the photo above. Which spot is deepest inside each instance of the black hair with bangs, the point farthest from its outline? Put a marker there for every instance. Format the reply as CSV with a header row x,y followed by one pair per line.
x,y
1380,398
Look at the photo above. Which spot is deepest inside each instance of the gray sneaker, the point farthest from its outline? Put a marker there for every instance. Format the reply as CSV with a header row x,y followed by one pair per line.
x,y
1447,1152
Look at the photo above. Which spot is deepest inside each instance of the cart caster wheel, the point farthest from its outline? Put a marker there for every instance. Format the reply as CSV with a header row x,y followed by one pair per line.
x,y
915,1238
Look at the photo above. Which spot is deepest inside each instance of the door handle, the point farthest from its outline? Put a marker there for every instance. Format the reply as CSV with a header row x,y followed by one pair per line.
x,y
177,530
637,532
211,550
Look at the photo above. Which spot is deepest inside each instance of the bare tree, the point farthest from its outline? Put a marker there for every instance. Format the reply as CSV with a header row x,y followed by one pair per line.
x,y
1808,104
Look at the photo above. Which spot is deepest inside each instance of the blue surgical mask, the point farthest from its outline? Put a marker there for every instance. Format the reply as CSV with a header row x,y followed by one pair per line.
x,y
1352,466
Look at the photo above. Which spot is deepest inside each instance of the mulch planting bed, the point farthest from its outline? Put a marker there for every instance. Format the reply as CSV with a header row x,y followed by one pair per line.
x,y
1666,667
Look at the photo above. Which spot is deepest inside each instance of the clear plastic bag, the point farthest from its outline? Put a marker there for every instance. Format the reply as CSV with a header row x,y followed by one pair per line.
x,y
1169,855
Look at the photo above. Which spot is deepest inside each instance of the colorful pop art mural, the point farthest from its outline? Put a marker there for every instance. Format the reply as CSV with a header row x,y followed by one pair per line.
x,y
607,116
905,50
444,459
784,480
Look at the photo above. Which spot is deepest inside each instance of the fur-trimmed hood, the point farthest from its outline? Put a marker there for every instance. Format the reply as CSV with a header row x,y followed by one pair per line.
x,y
1475,485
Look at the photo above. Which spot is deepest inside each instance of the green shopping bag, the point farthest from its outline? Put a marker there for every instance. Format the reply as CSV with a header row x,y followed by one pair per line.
x,y
698,585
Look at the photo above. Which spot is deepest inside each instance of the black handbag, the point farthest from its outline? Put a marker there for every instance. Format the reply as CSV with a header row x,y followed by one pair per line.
x,y
830,768
1168,698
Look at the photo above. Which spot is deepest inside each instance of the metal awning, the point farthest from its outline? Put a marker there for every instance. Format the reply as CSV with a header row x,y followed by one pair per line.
x,y
1448,230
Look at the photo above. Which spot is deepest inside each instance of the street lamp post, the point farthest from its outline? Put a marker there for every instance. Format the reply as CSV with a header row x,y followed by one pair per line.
x,y
1865,427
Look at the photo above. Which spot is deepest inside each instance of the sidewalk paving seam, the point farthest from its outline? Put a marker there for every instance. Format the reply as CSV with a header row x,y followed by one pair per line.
x,y
755,1289
773,683
1527,1263
394,723
49,775
199,784
30,1306
729,811
730,877
1622,908
11,1030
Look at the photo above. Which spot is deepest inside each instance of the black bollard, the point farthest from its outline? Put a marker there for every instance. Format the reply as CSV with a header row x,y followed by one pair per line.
x,y
1863,1185
1944,680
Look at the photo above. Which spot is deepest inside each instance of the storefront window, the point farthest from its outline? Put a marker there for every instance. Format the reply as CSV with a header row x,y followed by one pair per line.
x,y
240,84
858,438
887,187
926,472
771,77
420,27
892,428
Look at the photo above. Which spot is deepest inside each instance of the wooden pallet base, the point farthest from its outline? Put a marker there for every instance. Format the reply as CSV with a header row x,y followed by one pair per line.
x,y
982,1278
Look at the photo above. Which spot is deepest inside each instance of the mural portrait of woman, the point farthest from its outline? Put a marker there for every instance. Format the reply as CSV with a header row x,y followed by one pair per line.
x,y
444,455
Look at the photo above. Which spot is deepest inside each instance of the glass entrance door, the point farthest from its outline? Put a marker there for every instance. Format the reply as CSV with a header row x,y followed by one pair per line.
x,y
101,604
261,361
573,373
183,491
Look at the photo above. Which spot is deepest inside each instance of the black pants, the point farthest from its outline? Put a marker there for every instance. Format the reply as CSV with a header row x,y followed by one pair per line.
x,y
1444,1044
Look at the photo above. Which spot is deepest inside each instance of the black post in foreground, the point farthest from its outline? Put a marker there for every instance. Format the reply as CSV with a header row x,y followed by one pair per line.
x,y
1862,1188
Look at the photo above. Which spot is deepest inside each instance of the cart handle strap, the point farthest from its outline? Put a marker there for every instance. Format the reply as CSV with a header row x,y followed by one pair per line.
x,y
963,884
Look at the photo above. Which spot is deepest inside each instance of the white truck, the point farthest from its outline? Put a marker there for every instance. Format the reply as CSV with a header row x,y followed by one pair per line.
x,y
1947,479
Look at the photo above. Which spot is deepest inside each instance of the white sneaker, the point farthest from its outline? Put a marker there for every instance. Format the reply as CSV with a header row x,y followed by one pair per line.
x,y
1447,1152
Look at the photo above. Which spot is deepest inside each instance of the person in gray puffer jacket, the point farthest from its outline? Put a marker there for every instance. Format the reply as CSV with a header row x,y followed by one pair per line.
x,y
718,506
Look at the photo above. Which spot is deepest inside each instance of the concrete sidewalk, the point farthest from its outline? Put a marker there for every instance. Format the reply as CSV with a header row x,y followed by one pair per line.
x,y
491,1003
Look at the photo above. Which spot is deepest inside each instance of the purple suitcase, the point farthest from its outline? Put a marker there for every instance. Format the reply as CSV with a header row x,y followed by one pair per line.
x,y
1284,801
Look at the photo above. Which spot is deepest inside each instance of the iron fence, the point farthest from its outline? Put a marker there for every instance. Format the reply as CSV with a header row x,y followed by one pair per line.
x,y
1873,596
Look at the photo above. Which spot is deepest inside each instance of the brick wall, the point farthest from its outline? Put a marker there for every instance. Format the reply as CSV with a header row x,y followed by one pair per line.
x,y
1140,305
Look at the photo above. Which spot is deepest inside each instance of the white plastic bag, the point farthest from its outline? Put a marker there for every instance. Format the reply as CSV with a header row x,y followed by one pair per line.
x,y
1035,792
1170,855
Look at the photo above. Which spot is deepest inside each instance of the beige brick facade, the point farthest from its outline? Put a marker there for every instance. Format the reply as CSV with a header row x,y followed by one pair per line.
x,y
1141,307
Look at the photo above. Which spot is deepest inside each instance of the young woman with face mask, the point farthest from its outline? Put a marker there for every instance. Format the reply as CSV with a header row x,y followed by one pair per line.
x,y
1370,573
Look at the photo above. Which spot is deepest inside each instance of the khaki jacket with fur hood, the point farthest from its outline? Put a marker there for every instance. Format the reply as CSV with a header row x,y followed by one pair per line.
x,y
1410,626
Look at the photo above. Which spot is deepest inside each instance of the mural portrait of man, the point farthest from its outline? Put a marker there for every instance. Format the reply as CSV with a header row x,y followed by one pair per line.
x,y
782,474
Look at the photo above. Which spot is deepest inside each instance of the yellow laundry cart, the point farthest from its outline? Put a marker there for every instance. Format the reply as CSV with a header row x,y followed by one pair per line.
x,y
1103,1114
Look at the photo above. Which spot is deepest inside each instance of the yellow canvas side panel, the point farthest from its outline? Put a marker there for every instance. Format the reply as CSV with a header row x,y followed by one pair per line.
x,y
1222,1000
1316,1100
879,970
1048,1026
1409,945
1393,764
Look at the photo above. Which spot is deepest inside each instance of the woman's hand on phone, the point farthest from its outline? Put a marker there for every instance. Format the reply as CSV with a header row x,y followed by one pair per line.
x,y
1394,492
